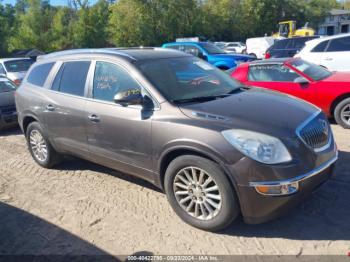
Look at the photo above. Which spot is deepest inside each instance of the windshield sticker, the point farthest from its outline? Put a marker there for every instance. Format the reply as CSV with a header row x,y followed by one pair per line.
x,y
204,65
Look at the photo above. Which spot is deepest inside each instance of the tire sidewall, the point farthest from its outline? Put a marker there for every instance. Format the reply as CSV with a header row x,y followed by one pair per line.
x,y
229,209
337,113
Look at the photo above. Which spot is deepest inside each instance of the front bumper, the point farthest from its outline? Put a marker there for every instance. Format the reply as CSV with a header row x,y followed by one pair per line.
x,y
261,208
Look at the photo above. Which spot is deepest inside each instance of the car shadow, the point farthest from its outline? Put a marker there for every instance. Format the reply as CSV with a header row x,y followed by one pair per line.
x,y
323,216
24,234
71,163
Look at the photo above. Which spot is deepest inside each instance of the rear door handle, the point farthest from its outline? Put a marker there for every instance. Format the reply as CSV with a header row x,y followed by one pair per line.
x,y
50,108
94,118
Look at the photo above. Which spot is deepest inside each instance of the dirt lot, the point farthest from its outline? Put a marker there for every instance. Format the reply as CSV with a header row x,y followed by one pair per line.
x,y
82,208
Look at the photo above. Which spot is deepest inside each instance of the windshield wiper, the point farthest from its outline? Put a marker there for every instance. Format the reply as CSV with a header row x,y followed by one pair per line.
x,y
196,99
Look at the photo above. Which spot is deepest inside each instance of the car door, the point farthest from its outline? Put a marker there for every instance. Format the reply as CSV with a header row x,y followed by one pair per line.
x,y
280,78
118,136
64,108
336,57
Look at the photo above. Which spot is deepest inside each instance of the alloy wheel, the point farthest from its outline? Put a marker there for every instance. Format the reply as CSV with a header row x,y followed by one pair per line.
x,y
197,193
38,145
345,114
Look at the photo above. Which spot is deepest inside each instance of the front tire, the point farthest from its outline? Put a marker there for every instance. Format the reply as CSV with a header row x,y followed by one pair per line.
x,y
200,193
342,113
40,148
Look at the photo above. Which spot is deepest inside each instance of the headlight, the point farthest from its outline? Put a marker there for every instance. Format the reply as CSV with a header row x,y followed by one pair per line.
x,y
260,147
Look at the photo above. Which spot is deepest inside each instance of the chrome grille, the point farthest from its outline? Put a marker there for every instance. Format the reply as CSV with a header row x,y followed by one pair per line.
x,y
316,132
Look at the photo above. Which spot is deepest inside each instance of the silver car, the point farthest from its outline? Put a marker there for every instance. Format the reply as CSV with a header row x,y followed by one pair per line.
x,y
15,69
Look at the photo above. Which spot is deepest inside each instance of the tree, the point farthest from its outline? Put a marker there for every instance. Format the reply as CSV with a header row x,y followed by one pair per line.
x,y
33,27
7,19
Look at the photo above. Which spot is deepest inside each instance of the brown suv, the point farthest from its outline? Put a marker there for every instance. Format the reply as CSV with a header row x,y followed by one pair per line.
x,y
216,148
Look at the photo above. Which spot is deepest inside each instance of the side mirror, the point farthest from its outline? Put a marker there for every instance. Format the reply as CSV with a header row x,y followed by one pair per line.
x,y
129,97
301,81
202,56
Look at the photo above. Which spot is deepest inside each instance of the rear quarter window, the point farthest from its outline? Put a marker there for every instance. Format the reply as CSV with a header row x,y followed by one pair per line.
x,y
339,45
320,47
39,74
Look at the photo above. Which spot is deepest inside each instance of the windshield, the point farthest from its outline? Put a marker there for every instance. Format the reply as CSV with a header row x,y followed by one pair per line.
x,y
187,78
7,86
212,49
18,65
313,71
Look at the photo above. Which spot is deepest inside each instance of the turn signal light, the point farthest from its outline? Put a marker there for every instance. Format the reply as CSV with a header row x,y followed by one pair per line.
x,y
278,190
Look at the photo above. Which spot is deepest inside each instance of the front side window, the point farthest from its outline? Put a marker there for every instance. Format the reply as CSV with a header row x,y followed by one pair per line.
x,y
110,79
192,50
313,71
176,47
39,74
71,78
339,45
271,73
7,86
18,65
187,78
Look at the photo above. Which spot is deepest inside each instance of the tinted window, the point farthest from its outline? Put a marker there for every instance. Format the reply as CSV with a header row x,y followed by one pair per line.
x,y
39,74
212,49
7,86
314,71
2,69
299,43
18,65
320,47
339,45
176,47
110,79
271,73
71,78
281,44
193,50
187,78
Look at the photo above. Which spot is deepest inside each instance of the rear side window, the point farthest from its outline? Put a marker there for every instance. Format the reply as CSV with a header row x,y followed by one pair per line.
x,y
176,47
339,45
39,74
71,78
271,73
320,47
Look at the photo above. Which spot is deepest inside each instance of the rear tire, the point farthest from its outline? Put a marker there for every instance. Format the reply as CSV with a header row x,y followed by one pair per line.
x,y
200,193
40,148
342,113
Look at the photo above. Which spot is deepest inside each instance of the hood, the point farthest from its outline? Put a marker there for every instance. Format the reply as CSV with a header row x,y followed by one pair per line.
x,y
7,99
235,56
338,77
257,109
16,75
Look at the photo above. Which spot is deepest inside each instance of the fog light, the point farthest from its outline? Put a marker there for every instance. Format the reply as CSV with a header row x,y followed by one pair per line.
x,y
277,190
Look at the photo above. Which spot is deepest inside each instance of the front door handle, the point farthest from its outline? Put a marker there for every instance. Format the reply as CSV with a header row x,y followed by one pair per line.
x,y
328,59
50,108
94,118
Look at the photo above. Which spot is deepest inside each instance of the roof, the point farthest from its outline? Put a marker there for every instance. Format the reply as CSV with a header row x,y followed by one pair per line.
x,y
321,39
131,54
13,59
339,12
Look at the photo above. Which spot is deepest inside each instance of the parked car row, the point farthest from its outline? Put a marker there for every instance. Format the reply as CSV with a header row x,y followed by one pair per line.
x,y
8,114
210,53
15,68
217,148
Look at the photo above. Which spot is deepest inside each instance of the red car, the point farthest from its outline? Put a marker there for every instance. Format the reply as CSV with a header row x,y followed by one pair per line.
x,y
328,90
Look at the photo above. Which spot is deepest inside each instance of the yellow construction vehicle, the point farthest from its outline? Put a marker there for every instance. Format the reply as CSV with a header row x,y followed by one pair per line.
x,y
289,29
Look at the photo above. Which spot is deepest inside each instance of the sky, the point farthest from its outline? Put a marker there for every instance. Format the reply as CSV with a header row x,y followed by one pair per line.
x,y
52,2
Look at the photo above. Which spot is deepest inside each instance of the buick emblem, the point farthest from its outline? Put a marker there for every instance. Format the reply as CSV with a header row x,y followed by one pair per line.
x,y
324,126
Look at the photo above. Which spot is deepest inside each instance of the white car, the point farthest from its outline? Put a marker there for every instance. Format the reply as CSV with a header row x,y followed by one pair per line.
x,y
236,47
331,52
15,68
257,46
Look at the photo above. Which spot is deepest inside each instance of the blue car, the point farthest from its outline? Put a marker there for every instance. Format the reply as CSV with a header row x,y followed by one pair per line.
x,y
211,53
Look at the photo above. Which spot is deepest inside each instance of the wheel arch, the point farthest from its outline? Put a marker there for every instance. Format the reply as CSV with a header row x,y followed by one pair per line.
x,y
27,120
175,152
337,101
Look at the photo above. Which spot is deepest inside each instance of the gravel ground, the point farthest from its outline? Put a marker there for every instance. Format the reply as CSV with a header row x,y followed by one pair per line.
x,y
82,208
